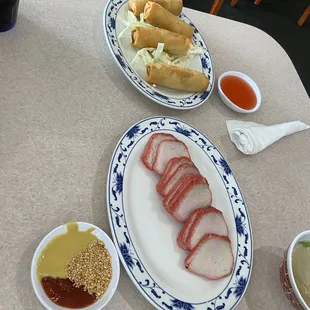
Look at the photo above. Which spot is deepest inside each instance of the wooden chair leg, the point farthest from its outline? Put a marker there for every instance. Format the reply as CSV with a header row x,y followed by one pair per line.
x,y
304,16
216,7
257,2
233,2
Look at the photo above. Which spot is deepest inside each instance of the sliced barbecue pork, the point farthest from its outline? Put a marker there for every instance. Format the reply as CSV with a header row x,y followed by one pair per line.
x,y
211,258
149,154
166,150
176,177
171,167
209,221
183,234
185,181
196,195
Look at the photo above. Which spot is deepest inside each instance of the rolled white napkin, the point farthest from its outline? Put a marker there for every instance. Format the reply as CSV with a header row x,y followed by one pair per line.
x,y
251,138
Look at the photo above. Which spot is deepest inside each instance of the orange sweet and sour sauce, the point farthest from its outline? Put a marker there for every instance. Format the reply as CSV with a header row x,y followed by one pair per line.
x,y
238,91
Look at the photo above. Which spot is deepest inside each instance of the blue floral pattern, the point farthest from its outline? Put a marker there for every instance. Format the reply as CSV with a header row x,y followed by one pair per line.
x,y
231,295
126,255
239,225
117,185
240,287
120,61
182,131
133,131
110,29
204,63
225,166
178,304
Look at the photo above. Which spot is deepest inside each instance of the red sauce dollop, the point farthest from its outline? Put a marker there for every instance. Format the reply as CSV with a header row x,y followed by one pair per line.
x,y
63,293
238,91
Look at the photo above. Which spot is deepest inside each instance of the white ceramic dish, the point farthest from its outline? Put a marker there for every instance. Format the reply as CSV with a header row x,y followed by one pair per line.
x,y
287,276
229,103
123,53
101,235
145,234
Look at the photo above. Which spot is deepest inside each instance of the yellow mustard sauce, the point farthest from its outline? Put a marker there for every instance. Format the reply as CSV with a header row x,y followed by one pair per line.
x,y
55,256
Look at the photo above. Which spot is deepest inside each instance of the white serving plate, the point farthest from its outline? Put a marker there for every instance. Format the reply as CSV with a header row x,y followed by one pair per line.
x,y
101,235
145,234
123,53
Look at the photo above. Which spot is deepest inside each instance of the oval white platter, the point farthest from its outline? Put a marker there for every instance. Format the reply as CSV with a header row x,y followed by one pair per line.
x,y
123,53
145,234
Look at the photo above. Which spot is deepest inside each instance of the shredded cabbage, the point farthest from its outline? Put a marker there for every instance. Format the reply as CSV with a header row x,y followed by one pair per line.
x,y
152,55
195,50
130,22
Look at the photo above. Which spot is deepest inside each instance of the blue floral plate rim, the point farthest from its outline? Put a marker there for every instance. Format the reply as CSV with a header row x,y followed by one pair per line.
x,y
195,100
235,289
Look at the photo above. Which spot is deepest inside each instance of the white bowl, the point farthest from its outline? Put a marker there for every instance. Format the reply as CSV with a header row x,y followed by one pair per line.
x,y
101,235
229,103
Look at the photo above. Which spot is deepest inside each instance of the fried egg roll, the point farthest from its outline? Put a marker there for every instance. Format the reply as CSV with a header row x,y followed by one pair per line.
x,y
175,44
158,16
173,6
176,77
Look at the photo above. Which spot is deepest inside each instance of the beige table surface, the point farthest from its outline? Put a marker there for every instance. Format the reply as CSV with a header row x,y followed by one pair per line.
x,y
65,104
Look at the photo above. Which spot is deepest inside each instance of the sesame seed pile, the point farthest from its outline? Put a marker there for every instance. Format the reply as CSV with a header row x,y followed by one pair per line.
x,y
91,268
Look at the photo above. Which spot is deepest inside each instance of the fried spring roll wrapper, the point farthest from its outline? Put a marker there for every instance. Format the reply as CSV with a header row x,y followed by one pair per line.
x,y
173,6
160,17
176,77
175,44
